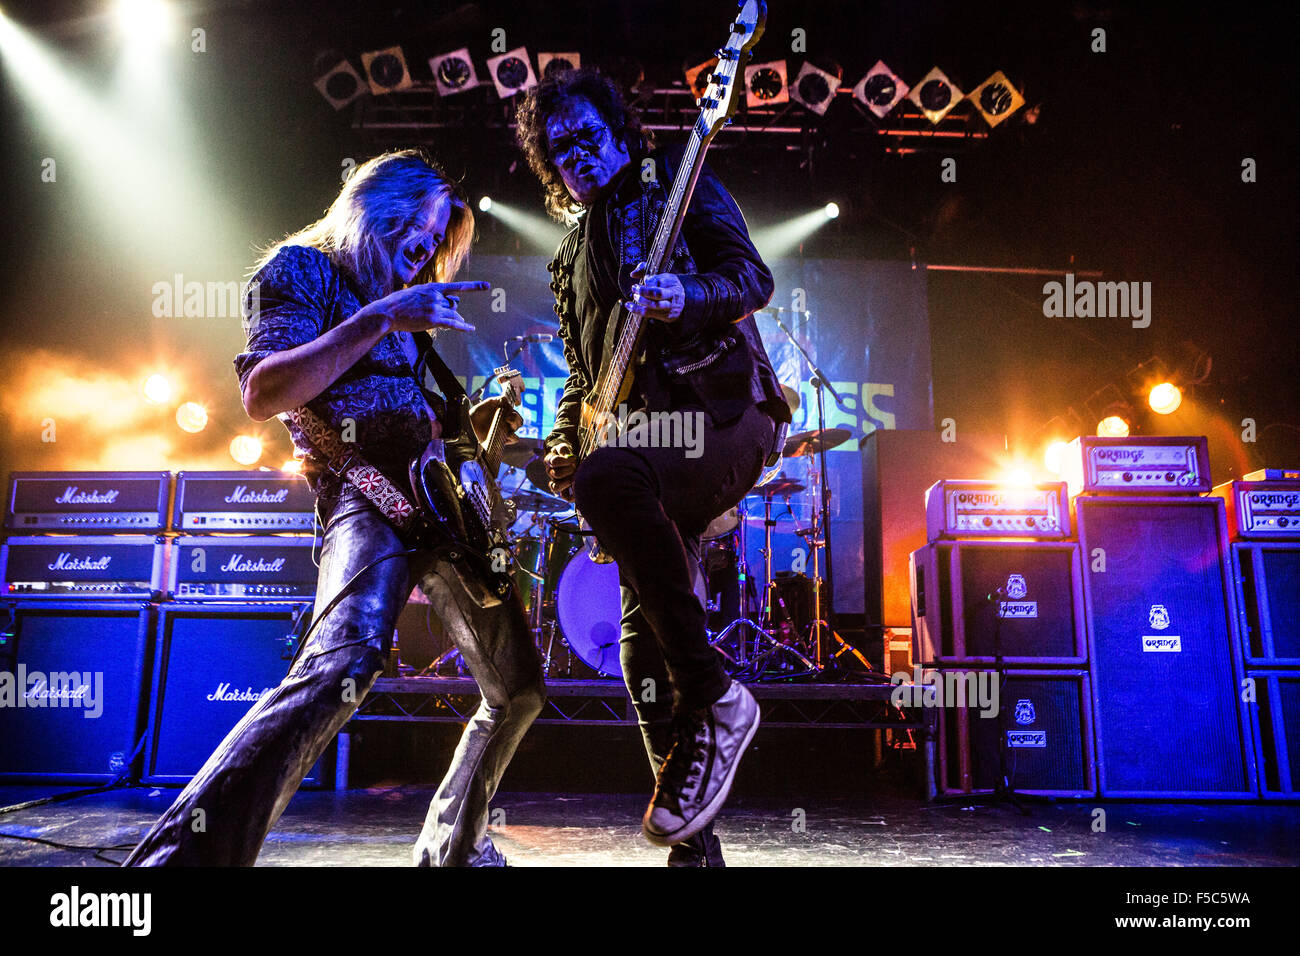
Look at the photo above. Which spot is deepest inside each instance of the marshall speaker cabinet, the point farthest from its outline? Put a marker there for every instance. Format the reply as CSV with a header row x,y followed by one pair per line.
x,y
1040,719
72,688
213,663
1162,642
974,599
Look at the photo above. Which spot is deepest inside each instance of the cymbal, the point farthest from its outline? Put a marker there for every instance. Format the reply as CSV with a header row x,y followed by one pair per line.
x,y
542,504
536,472
780,486
519,453
811,442
791,397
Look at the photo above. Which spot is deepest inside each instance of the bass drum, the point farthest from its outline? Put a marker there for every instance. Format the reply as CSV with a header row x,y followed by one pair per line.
x,y
590,611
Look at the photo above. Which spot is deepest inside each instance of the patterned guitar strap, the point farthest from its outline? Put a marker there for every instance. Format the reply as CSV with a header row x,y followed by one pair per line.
x,y
344,460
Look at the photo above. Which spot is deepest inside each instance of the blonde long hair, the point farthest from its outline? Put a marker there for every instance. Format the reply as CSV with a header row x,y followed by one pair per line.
x,y
377,203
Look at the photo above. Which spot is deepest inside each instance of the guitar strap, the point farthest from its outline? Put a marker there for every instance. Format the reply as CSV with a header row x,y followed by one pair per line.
x,y
452,391
345,461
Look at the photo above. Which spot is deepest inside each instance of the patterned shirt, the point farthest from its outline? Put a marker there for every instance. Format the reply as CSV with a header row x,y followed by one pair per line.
x,y
298,296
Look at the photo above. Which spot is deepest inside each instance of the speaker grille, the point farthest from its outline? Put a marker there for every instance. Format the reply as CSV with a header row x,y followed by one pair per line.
x,y
1041,722
212,665
1162,646
107,648
1282,591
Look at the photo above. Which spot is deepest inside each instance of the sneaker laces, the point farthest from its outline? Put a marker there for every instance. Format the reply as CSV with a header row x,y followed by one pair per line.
x,y
684,767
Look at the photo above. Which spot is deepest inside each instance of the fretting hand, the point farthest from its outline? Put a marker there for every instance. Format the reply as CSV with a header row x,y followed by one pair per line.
x,y
660,297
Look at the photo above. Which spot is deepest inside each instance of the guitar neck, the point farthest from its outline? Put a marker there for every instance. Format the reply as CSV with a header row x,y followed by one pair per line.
x,y
665,238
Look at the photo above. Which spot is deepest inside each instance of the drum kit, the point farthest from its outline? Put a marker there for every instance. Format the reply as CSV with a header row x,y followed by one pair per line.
x,y
573,603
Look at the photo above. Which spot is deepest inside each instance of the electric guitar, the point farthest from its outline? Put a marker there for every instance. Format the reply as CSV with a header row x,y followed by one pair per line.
x,y
454,480
614,383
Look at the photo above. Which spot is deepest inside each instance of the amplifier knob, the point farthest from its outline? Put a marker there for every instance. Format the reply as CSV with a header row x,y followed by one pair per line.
x,y
988,522
1283,522
1169,476
1128,476
1030,521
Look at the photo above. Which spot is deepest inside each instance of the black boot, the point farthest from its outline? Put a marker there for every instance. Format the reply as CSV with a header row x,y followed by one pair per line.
x,y
703,849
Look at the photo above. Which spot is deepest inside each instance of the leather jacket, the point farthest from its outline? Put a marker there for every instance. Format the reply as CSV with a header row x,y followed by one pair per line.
x,y
713,355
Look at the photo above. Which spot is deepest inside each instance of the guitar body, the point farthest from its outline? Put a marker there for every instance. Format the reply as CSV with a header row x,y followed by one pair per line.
x,y
454,485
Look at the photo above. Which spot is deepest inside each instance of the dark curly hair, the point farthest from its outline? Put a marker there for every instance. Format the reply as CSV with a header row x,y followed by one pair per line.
x,y
537,105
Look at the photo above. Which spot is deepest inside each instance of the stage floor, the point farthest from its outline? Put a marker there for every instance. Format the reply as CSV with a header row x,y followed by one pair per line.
x,y
377,826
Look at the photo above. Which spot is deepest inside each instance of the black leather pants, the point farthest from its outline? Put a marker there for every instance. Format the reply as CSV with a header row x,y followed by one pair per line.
x,y
223,815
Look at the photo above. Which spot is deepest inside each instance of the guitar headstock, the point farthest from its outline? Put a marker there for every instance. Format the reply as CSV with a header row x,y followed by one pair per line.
x,y
721,97
511,382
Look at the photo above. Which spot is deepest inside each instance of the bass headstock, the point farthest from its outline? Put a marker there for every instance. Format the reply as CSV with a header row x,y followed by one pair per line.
x,y
721,96
511,382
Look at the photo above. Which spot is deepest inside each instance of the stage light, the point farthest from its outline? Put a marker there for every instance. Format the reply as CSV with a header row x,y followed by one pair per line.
x,y
935,95
246,449
832,210
386,70
697,77
293,466
1054,457
1016,474
340,85
454,72
774,241
880,90
142,19
542,233
814,88
1165,398
996,98
548,63
512,72
192,417
157,389
765,84
1112,426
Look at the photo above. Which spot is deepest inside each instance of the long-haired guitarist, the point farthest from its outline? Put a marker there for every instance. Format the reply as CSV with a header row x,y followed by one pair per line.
x,y
703,372
330,320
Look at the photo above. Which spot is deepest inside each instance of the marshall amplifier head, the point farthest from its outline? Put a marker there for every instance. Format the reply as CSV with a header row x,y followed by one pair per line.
x,y
1262,510
87,501
59,566
989,509
1152,465
242,569
249,501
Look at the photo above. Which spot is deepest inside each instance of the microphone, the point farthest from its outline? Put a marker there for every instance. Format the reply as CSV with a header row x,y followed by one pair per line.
x,y
538,337
778,309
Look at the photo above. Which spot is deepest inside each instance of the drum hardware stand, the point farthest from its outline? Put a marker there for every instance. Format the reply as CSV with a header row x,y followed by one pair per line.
x,y
764,632
821,516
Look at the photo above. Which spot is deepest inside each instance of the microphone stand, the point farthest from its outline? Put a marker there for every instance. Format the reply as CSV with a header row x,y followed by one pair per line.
x,y
819,382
